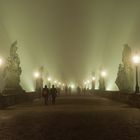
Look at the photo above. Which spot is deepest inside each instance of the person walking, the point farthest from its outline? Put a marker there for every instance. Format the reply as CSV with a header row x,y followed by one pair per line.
x,y
53,93
45,94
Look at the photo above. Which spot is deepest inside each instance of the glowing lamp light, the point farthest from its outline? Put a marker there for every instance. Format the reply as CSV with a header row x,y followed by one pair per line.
x,y
93,78
85,83
1,61
136,59
72,86
108,89
103,74
63,85
59,83
36,74
88,81
55,82
49,78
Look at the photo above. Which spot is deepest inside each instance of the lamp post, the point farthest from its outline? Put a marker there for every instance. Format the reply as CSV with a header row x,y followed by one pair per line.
x,y
103,73
85,84
1,61
136,60
102,80
88,82
55,83
36,75
49,82
93,83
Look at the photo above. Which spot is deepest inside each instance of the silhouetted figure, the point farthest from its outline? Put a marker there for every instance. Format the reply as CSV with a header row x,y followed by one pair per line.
x,y
45,94
84,90
53,93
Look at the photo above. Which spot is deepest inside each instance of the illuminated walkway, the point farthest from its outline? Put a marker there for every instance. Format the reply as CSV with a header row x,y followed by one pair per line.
x,y
72,118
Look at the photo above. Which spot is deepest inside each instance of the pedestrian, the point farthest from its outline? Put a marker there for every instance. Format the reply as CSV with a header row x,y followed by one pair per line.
x,y
45,94
53,93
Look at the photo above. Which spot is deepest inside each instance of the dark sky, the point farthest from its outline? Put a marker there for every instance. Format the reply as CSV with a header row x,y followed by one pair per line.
x,y
70,38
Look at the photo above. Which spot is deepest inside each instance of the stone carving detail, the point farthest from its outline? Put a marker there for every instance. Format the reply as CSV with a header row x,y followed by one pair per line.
x,y
12,70
124,79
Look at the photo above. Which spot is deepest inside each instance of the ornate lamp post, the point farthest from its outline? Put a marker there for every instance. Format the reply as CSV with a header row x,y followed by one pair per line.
x,y
136,60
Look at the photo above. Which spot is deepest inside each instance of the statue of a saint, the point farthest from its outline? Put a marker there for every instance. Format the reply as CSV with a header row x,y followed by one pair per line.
x,y
124,79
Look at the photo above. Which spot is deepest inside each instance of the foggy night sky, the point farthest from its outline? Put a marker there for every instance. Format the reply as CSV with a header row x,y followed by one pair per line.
x,y
70,38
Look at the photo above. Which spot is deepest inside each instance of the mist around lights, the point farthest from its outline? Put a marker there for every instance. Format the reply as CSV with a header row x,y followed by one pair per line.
x,y
1,61
36,74
100,42
136,59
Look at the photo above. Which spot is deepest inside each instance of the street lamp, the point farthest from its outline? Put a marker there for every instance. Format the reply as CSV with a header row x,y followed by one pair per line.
x,y
59,83
103,73
72,86
102,80
49,82
88,82
93,78
136,60
39,83
1,61
36,74
93,83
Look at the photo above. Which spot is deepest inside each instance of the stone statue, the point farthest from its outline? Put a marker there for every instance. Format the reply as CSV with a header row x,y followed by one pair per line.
x,y
126,56
12,70
124,79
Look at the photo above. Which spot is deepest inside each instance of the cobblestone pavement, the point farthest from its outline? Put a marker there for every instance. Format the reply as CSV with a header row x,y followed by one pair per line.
x,y
72,118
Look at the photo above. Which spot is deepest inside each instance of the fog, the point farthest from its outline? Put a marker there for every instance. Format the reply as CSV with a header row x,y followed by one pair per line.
x,y
70,38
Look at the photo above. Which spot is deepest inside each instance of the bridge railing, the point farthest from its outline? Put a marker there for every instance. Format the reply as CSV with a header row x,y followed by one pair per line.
x,y
130,98
12,99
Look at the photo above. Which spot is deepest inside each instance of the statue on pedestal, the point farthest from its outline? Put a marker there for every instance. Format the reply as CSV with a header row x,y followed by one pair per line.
x,y
12,70
124,79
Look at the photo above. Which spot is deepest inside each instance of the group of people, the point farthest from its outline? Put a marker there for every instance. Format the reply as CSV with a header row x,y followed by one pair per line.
x,y
47,93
